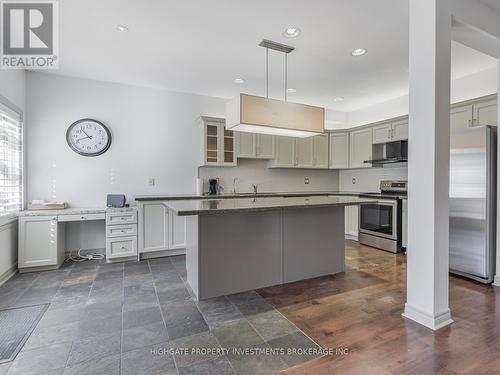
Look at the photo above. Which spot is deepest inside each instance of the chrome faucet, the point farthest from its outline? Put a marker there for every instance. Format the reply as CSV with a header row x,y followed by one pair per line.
x,y
254,188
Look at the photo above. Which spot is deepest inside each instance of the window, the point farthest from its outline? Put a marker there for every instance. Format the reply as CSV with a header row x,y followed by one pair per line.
x,y
11,161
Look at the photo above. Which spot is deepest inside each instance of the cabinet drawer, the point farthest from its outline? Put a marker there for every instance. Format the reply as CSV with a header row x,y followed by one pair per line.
x,y
121,230
80,217
121,217
121,247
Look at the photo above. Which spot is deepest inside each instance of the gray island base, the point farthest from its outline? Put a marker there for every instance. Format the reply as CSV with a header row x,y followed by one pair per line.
x,y
248,244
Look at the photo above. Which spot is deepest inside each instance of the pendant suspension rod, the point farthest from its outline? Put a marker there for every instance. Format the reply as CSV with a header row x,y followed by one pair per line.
x,y
286,76
267,72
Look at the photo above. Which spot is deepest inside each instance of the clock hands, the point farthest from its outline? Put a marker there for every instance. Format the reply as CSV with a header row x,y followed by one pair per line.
x,y
88,136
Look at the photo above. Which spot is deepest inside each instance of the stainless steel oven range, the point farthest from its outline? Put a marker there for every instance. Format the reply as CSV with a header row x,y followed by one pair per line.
x,y
380,224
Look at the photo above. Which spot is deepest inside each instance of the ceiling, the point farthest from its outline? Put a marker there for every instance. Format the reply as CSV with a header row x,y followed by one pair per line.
x,y
201,46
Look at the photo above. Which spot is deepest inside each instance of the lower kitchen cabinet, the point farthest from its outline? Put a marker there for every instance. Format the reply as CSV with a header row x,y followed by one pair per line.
x,y
41,243
352,222
160,229
121,235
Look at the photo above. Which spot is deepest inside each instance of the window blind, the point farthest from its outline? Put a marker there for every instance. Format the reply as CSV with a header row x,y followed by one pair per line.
x,y
11,161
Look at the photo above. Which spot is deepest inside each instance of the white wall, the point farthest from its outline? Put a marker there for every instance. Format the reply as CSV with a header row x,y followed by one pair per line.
x,y
13,89
464,88
251,172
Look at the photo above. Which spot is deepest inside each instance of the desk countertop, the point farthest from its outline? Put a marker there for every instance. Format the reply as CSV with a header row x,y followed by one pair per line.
x,y
74,211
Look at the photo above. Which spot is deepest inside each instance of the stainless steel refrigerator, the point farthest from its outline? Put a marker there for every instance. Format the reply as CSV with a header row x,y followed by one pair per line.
x,y
473,202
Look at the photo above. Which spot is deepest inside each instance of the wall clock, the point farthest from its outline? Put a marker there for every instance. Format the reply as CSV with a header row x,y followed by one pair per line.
x,y
88,137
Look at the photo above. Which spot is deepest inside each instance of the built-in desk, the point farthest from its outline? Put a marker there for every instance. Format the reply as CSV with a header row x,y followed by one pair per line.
x,y
42,240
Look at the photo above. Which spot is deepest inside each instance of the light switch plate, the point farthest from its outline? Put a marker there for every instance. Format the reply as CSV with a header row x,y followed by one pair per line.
x,y
151,181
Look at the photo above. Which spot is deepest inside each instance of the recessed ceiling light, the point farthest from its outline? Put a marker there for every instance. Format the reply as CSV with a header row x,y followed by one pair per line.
x,y
359,52
122,28
291,91
291,32
239,80
338,99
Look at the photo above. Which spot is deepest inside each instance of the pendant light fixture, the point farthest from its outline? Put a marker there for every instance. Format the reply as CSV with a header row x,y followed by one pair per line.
x,y
263,115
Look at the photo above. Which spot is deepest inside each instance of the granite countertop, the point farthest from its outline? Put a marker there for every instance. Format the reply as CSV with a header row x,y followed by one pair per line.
x,y
74,211
220,206
172,197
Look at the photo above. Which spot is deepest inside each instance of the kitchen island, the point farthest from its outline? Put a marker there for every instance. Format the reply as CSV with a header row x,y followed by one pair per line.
x,y
240,244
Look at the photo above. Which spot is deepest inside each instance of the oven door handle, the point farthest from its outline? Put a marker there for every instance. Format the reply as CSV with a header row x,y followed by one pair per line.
x,y
387,203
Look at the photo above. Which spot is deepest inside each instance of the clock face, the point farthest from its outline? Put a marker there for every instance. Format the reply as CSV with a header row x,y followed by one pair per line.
x,y
88,137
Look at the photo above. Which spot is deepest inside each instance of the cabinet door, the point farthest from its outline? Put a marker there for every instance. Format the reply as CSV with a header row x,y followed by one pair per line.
x,y
382,133
228,146
153,227
320,151
485,113
304,152
360,148
212,143
177,231
339,150
38,238
285,152
265,146
245,145
461,117
400,130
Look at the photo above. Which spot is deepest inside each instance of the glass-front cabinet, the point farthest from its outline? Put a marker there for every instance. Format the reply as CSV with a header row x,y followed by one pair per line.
x,y
219,143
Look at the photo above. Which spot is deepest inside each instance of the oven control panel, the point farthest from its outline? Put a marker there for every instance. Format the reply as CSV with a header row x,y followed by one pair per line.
x,y
390,185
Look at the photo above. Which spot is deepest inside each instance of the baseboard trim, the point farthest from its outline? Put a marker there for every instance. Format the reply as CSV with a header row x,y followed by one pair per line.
x,y
163,253
496,281
351,237
433,322
8,274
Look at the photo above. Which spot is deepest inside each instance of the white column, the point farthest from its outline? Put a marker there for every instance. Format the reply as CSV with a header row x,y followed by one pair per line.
x,y
496,282
428,167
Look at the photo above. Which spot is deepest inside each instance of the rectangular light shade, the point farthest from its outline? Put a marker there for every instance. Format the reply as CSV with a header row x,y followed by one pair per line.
x,y
255,114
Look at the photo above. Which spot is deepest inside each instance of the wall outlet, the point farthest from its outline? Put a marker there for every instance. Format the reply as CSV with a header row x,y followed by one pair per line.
x,y
354,181
306,180
151,181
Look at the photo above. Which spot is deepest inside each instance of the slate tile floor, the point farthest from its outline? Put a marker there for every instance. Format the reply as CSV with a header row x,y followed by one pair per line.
x,y
107,319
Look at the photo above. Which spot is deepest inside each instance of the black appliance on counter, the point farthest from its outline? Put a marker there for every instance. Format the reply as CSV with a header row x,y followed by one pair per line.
x,y
213,186
380,224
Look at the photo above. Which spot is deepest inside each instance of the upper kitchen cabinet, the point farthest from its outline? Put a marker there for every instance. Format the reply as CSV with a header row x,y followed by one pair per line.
x,y
399,130
360,148
478,112
219,144
306,153
339,150
255,146
285,153
320,151
461,117
391,131
485,113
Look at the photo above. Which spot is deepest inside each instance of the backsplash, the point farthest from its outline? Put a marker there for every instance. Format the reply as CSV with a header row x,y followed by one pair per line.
x,y
250,171
368,180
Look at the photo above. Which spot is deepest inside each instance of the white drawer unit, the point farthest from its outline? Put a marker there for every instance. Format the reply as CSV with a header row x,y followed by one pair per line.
x,y
121,217
121,230
121,247
121,235
80,217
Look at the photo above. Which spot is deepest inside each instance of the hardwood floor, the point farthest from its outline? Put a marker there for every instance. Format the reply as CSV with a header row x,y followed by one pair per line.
x,y
360,311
